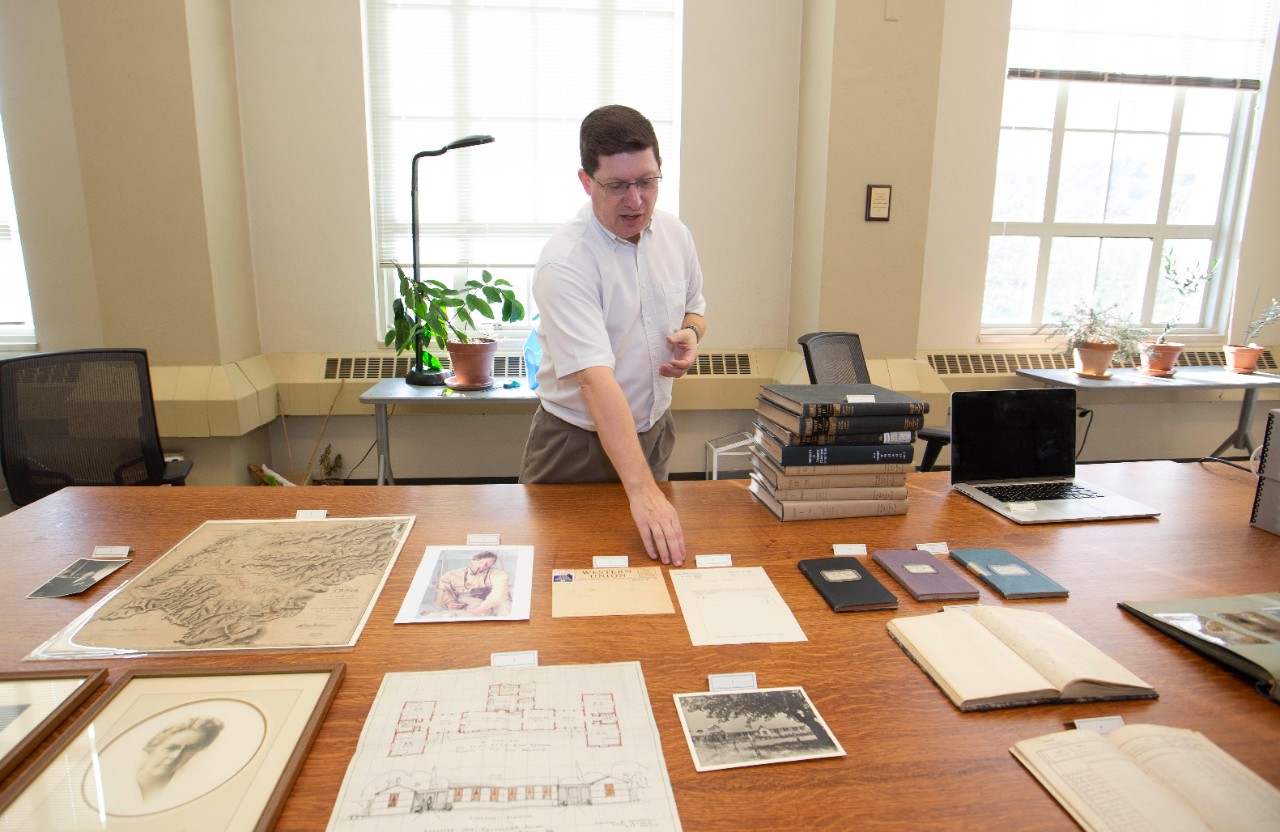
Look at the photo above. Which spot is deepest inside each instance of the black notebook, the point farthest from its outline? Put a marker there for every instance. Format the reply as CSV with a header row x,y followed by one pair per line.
x,y
847,585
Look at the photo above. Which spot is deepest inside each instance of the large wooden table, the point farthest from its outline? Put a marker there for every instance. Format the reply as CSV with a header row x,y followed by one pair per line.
x,y
914,761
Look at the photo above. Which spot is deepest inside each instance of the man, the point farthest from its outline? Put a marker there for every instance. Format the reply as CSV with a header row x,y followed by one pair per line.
x,y
476,590
619,290
170,749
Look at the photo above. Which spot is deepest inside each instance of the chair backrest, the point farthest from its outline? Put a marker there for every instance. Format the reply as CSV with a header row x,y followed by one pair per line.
x,y
834,358
80,417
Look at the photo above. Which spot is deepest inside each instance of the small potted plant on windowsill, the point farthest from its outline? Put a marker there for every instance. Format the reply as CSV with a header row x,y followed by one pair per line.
x,y
1243,358
1094,335
446,316
1160,356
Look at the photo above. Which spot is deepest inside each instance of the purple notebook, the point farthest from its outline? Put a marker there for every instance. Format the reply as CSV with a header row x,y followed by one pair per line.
x,y
924,576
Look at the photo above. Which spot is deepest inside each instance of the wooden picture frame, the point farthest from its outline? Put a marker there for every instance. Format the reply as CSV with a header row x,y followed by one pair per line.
x,y
167,748
33,703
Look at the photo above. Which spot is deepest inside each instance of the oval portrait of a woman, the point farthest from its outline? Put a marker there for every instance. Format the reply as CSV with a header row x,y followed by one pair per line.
x,y
174,757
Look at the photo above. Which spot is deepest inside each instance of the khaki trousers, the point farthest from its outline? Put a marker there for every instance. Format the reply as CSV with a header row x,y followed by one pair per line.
x,y
559,452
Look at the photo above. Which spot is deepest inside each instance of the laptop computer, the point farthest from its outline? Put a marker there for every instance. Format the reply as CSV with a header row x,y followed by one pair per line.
x,y
1014,452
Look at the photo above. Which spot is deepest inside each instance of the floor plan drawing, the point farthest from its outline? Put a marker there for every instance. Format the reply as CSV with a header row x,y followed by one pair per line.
x,y
245,584
568,747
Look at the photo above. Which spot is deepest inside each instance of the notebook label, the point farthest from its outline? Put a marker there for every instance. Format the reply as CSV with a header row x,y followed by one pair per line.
x,y
841,576
919,569
1009,570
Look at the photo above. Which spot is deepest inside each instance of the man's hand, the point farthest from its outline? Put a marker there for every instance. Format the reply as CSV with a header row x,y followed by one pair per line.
x,y
684,346
659,526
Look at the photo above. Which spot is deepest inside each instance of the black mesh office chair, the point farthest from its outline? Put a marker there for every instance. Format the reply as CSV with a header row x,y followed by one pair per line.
x,y
836,358
80,417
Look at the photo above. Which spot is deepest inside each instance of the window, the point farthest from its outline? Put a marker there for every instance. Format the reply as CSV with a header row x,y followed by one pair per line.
x,y
525,72
1103,179
16,325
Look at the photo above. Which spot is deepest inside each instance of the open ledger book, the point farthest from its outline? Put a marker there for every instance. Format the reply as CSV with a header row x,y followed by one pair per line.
x,y
1149,777
995,657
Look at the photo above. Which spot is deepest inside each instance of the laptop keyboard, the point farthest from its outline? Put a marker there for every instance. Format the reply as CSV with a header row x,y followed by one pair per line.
x,y
1029,492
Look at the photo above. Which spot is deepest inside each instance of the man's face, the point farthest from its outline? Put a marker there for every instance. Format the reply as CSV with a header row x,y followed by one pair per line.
x,y
479,565
626,214
165,759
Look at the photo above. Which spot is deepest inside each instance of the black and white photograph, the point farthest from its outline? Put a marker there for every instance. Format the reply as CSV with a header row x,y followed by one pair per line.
x,y
76,578
754,727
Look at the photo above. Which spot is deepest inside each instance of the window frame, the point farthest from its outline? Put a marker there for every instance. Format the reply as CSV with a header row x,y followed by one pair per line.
x,y
388,226
1224,233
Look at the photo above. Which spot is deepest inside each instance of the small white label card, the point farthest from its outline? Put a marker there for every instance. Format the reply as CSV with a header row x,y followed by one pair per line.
x,y
609,562
519,658
1008,570
1100,724
110,552
934,548
311,514
732,681
843,550
862,398
707,561
920,568
483,539
1023,506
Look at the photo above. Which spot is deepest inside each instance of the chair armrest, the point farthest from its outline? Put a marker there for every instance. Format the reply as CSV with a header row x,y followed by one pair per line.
x,y
175,471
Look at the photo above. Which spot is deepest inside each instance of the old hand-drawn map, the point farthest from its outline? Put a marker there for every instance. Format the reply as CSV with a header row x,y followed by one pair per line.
x,y
245,584
509,748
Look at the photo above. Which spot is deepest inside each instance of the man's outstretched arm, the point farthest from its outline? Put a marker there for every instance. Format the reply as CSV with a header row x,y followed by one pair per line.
x,y
655,517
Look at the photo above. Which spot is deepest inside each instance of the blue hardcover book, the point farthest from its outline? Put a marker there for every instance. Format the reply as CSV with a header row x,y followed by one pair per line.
x,y
1008,574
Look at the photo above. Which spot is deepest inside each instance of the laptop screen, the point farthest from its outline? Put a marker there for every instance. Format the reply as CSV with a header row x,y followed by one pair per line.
x,y
1013,434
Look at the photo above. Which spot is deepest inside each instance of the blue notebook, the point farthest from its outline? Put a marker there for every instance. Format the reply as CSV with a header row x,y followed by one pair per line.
x,y
1008,574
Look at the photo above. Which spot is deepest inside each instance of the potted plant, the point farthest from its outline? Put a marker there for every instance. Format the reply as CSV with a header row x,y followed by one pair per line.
x,y
446,316
1243,358
1095,335
1160,356
330,466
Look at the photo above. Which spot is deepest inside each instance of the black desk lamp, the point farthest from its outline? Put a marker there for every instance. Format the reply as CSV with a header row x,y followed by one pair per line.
x,y
417,374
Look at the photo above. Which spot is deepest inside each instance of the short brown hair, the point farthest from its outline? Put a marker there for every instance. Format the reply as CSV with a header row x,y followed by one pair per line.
x,y
614,129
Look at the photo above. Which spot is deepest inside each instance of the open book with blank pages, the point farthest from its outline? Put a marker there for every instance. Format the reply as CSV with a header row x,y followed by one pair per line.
x,y
1149,777
1241,631
994,657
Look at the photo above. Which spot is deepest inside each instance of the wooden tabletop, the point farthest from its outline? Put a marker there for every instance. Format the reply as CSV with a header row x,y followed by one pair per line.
x,y
913,759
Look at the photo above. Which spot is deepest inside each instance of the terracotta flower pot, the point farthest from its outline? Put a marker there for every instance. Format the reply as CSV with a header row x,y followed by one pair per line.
x,y
1092,359
1158,359
1241,358
472,364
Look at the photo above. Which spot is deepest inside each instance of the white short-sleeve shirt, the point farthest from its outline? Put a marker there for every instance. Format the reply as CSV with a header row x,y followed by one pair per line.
x,y
604,302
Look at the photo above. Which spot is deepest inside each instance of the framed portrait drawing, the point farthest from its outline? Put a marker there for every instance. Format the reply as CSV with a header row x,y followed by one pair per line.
x,y
211,749
33,704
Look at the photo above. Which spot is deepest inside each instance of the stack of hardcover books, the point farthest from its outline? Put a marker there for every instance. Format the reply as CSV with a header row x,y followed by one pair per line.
x,y
825,451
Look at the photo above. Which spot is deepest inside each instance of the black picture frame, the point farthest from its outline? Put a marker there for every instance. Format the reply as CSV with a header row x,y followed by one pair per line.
x,y
879,198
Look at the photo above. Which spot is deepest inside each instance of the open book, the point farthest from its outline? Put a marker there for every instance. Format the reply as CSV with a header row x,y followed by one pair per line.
x,y
1241,631
995,657
1149,777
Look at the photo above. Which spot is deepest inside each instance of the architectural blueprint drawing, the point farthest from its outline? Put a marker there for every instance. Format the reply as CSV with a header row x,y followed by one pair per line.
x,y
244,584
570,747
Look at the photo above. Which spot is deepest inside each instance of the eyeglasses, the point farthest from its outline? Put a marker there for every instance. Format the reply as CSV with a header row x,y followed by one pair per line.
x,y
646,185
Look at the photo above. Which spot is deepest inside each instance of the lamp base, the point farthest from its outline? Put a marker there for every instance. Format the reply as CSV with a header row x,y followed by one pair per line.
x,y
425,378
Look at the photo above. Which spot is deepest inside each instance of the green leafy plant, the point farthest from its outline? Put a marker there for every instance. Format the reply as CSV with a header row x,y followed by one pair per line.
x,y
441,314
330,463
1269,315
1089,323
1186,281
